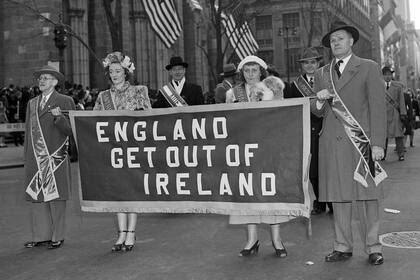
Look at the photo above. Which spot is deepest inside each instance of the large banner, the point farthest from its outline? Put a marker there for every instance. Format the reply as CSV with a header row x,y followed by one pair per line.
x,y
241,158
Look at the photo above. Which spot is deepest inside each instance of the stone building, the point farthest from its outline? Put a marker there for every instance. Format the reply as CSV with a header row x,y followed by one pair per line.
x,y
27,42
284,27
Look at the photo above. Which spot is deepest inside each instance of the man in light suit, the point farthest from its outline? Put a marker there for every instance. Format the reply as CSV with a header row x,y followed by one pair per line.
x,y
356,83
47,166
396,111
191,93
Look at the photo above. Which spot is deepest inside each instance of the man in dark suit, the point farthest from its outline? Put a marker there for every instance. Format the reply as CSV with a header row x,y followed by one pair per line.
x,y
351,98
310,61
47,166
228,75
185,93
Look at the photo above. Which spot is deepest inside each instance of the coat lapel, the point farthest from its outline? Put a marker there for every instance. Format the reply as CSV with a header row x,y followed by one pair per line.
x,y
349,72
50,103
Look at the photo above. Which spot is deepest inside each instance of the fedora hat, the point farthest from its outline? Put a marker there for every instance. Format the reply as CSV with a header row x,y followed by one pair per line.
x,y
310,53
387,69
339,25
48,69
174,61
229,70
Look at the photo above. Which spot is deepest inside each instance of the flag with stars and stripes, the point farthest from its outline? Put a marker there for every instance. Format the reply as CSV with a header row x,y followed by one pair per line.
x,y
164,20
240,36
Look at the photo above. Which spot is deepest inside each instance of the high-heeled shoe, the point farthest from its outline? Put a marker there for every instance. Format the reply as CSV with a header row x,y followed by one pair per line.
x,y
118,246
251,251
128,248
281,253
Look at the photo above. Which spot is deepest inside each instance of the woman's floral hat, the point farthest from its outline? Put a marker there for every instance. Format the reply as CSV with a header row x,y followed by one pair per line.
x,y
118,57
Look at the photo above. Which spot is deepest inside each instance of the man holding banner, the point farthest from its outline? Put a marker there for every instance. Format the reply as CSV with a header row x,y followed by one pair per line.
x,y
351,99
178,92
47,165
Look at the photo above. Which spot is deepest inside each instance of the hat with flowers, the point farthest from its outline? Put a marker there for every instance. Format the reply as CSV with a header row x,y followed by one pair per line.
x,y
118,57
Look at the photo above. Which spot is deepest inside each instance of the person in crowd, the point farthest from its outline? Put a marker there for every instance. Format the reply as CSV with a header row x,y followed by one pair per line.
x,y
351,98
184,92
229,76
47,167
416,114
396,111
252,71
3,115
409,122
310,61
122,96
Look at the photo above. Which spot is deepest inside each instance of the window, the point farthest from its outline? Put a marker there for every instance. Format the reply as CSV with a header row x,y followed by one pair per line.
x,y
292,56
264,31
267,56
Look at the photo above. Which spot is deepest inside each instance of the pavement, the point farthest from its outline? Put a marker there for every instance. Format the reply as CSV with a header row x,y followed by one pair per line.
x,y
205,246
11,156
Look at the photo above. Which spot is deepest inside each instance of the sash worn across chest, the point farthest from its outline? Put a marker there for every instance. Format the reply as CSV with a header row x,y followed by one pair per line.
x,y
172,96
304,87
107,101
44,179
392,101
366,165
240,93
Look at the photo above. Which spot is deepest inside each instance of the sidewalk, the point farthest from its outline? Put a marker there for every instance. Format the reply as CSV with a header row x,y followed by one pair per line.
x,y
11,156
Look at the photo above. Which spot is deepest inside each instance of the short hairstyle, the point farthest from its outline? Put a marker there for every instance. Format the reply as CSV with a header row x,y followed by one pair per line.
x,y
263,72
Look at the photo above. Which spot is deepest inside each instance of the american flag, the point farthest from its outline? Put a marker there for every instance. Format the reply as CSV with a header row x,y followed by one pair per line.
x,y
164,20
240,37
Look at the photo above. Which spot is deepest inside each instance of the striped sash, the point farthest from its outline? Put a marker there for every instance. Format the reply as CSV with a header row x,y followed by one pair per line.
x,y
173,98
107,100
304,87
240,93
44,179
366,165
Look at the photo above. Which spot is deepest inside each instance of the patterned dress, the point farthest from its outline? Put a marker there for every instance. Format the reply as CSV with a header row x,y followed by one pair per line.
x,y
240,93
127,98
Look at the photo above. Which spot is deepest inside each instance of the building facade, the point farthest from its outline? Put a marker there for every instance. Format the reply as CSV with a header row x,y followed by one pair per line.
x,y
27,41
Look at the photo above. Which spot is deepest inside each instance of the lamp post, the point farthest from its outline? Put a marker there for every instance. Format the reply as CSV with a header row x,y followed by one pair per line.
x,y
281,33
287,53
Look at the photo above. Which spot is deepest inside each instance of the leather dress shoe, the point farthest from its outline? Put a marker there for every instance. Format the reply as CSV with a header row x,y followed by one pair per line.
x,y
32,244
337,256
376,259
401,158
55,244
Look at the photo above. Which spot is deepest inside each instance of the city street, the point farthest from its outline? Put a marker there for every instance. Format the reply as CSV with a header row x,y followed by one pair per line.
x,y
190,246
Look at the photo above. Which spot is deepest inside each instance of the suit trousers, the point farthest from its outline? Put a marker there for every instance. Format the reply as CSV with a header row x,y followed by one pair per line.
x,y
399,143
369,217
48,220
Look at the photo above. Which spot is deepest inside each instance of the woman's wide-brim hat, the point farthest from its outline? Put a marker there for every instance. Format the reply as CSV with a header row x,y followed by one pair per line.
x,y
229,70
48,69
339,25
254,59
310,53
175,61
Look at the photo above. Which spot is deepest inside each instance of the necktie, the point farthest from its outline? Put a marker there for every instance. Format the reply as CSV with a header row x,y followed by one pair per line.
x,y
43,102
337,68
387,85
311,81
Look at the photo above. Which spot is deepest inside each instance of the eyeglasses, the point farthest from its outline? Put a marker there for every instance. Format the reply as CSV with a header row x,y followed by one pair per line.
x,y
44,79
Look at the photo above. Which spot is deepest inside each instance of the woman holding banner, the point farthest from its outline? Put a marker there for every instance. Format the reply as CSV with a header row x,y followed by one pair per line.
x,y
122,96
256,87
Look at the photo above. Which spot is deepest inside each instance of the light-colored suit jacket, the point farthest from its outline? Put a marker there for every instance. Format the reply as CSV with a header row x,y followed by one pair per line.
x,y
361,89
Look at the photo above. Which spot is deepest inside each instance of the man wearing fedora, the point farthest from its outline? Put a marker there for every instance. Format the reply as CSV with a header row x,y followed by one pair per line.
x,y
47,166
396,111
351,99
228,75
310,62
183,92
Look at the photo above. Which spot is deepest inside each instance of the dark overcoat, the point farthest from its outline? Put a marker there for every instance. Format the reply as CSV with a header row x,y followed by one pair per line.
x,y
362,90
191,93
55,131
395,125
